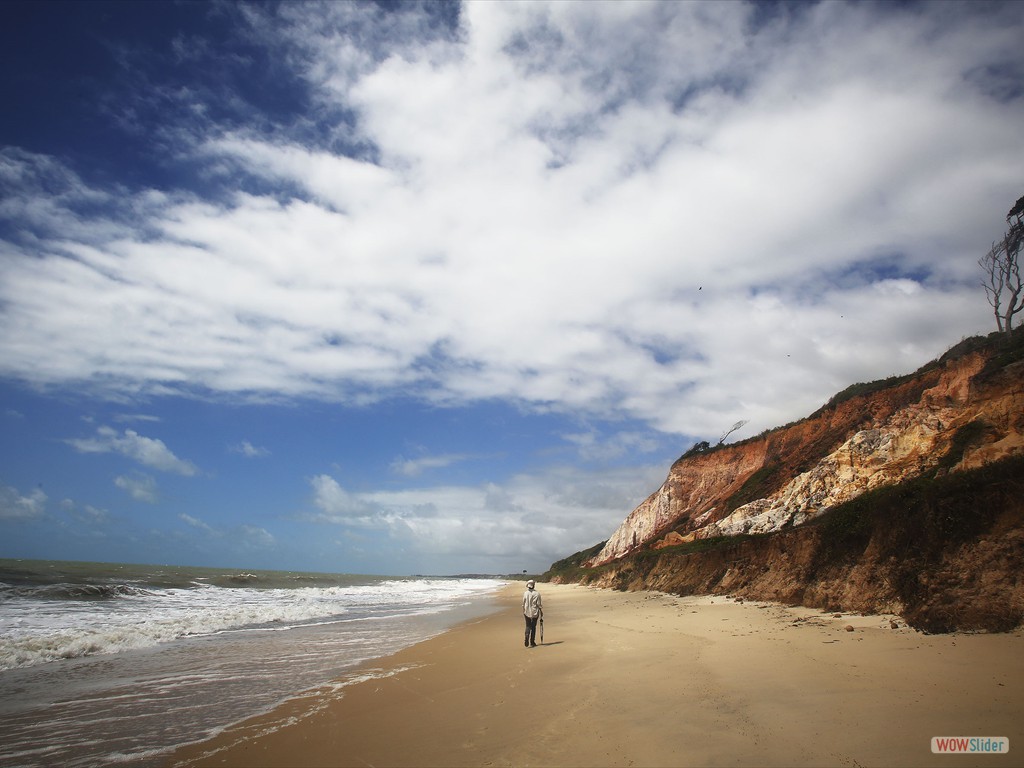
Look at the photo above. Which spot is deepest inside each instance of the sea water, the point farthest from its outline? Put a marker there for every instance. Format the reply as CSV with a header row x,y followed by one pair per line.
x,y
119,664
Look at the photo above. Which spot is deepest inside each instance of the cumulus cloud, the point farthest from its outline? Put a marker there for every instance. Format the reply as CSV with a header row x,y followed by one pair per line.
x,y
683,213
15,505
148,451
85,513
491,525
245,536
93,515
194,522
139,486
339,506
249,450
253,536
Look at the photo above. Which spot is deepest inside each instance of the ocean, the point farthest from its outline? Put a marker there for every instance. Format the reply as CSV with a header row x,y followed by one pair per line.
x,y
110,664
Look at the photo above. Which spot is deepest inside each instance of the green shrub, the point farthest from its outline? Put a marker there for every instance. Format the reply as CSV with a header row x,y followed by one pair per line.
x,y
757,486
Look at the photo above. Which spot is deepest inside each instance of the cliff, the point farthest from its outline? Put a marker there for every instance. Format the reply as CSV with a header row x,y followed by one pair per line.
x,y
758,518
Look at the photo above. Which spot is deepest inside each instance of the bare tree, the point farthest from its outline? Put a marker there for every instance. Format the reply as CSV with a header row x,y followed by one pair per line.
x,y
1003,287
732,429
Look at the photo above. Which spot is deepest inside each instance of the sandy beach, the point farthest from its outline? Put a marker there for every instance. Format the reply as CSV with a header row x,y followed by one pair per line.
x,y
647,679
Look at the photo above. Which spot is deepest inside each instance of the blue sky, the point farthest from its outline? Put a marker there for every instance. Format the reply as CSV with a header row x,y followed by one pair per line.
x,y
434,288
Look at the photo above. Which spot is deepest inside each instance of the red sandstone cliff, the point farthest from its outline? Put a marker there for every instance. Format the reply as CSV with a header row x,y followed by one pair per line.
x,y
937,456
793,474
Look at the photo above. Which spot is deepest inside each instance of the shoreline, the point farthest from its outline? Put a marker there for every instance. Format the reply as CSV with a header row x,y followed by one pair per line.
x,y
652,679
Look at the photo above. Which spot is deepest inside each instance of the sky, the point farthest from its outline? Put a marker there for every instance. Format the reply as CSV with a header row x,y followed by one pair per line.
x,y
434,288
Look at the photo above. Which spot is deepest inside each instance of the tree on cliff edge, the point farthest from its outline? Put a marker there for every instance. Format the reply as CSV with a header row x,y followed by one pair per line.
x,y
1001,264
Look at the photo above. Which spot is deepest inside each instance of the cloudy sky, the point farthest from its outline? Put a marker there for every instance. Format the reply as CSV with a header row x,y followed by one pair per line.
x,y
402,288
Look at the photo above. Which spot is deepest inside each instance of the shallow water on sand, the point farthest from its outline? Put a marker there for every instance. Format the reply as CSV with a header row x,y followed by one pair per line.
x,y
121,687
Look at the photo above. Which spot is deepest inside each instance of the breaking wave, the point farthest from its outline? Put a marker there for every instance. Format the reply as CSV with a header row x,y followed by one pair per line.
x,y
44,623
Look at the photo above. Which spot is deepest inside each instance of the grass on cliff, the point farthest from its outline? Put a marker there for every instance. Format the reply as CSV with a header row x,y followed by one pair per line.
x,y
909,528
913,524
933,512
568,568
1008,349
757,486
942,504
1004,349
572,570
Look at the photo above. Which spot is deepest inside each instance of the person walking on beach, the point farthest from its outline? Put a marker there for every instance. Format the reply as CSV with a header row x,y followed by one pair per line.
x,y
532,611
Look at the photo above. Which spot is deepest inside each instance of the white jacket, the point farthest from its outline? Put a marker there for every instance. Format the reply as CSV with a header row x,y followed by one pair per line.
x,y
531,603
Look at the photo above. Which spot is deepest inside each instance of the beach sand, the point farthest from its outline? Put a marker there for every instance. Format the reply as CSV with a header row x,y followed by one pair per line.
x,y
647,679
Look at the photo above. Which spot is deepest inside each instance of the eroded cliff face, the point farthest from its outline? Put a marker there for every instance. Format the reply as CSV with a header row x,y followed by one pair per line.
x,y
946,554
954,416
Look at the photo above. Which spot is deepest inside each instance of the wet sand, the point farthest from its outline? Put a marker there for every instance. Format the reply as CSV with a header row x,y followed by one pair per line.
x,y
646,679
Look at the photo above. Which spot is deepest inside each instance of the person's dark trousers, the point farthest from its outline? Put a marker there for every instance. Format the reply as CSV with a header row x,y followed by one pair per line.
x,y
531,630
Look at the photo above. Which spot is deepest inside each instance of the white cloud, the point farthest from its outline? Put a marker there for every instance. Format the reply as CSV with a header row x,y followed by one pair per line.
x,y
149,451
130,417
493,527
684,213
249,450
337,505
255,537
418,465
243,537
139,486
15,505
195,522
87,514
93,515
593,446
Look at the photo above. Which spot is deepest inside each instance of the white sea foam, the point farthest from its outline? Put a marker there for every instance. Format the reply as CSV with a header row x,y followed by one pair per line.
x,y
34,631
116,690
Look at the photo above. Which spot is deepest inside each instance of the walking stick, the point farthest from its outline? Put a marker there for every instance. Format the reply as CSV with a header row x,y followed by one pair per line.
x,y
542,629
